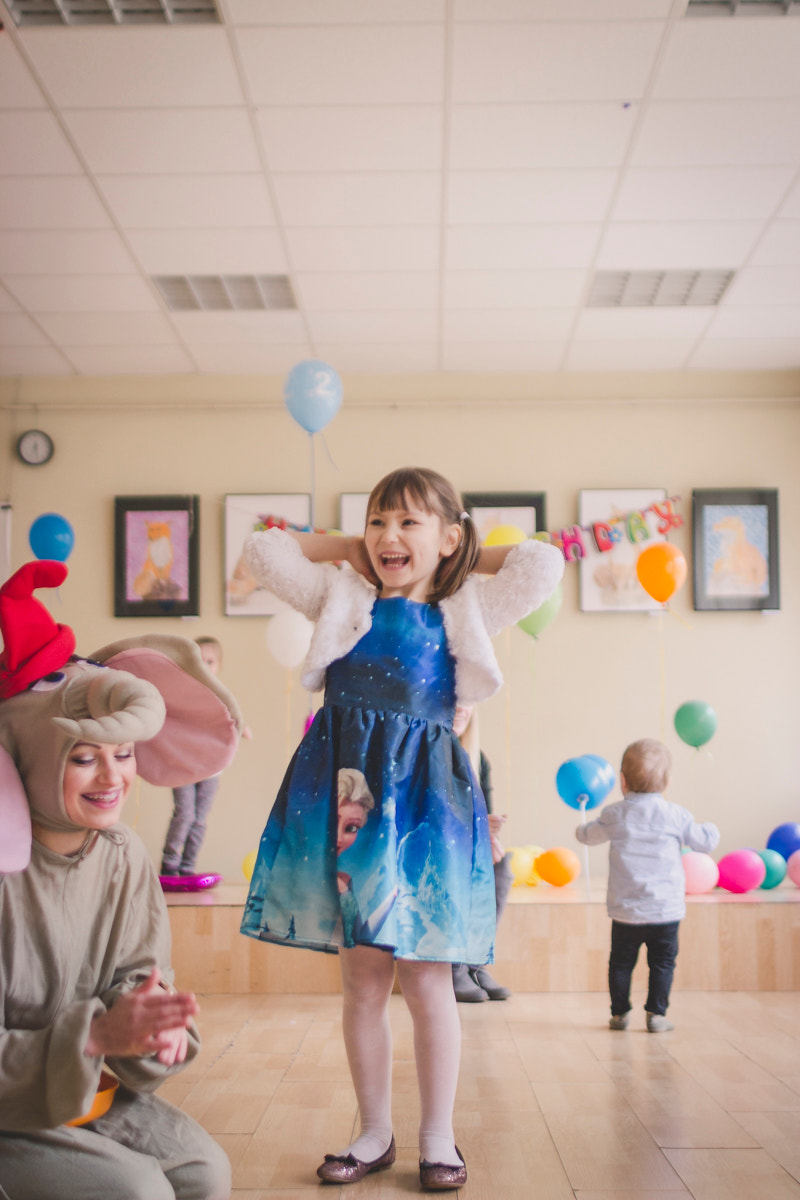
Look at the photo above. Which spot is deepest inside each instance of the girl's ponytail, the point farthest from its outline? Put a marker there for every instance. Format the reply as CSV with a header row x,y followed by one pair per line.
x,y
454,570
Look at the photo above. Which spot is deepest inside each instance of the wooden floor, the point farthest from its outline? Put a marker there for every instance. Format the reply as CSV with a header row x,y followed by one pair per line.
x,y
551,1106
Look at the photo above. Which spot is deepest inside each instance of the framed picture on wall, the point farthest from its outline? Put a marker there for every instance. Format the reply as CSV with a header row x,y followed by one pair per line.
x,y
524,510
735,556
353,512
608,580
156,556
244,514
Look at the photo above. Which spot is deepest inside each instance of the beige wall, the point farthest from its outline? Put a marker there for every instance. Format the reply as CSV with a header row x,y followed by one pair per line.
x,y
591,683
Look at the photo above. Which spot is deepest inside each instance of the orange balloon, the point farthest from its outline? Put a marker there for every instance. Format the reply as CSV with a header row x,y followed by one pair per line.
x,y
558,866
661,570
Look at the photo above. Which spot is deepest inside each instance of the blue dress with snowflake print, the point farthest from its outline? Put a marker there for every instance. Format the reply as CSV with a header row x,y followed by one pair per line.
x,y
417,878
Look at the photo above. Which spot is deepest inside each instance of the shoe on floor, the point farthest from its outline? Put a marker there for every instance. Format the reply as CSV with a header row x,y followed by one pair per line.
x,y
620,1022
658,1024
493,989
346,1168
466,989
441,1177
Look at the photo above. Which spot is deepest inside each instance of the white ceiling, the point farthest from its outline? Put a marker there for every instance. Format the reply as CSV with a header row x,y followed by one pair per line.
x,y
438,178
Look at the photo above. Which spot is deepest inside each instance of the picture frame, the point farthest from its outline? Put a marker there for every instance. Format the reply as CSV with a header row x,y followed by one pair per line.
x,y
525,510
353,513
735,549
156,556
608,580
244,513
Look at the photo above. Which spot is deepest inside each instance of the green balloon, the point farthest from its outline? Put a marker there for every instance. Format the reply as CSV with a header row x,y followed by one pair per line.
x,y
544,615
776,867
695,722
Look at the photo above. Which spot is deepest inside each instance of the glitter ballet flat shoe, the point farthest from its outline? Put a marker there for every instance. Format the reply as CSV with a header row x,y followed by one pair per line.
x,y
346,1168
441,1177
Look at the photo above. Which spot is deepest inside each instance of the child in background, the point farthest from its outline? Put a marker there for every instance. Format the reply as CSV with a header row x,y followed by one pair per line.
x,y
191,803
398,642
472,983
646,882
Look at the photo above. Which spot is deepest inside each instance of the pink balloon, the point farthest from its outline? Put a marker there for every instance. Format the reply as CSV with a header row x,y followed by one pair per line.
x,y
793,867
702,873
741,871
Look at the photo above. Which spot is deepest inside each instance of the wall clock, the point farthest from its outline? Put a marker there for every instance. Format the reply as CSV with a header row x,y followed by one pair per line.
x,y
34,447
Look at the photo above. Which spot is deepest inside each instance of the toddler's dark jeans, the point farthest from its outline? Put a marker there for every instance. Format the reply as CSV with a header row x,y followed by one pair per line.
x,y
662,949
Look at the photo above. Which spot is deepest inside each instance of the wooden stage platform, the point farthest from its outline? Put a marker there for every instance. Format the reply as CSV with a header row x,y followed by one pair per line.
x,y
549,940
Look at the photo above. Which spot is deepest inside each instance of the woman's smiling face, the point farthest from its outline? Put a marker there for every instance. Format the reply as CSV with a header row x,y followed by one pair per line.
x,y
97,779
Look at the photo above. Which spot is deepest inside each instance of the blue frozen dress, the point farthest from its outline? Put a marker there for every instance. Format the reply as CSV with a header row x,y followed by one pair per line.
x,y
418,877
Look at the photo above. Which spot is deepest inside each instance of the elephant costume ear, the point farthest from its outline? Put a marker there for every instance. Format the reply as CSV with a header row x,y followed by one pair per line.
x,y
33,644
15,818
201,732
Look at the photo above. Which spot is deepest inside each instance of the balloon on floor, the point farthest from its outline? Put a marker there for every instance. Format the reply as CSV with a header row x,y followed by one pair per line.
x,y
558,866
702,873
741,871
776,868
785,839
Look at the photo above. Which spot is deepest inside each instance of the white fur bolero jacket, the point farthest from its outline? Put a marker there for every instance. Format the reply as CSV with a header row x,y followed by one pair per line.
x,y
340,603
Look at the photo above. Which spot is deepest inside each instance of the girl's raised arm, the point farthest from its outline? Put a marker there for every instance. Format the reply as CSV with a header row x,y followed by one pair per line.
x,y
491,559
333,547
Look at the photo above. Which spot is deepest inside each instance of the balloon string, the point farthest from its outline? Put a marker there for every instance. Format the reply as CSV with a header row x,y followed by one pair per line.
x,y
663,671
584,801
678,618
313,481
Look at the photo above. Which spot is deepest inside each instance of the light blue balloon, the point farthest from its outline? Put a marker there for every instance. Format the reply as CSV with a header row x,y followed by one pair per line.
x,y
52,537
313,394
588,777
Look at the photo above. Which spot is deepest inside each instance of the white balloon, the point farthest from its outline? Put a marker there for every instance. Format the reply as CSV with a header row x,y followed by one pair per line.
x,y
289,637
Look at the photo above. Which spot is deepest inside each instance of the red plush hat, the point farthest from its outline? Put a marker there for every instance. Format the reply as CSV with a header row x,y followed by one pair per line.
x,y
33,644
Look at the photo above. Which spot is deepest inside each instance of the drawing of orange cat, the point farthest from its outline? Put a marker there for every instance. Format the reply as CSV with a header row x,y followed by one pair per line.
x,y
158,564
739,559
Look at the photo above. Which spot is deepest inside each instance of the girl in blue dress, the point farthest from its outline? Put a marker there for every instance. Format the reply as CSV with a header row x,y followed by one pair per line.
x,y
378,844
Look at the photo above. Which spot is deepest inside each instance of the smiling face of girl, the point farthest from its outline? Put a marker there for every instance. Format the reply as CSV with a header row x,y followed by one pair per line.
x,y
405,547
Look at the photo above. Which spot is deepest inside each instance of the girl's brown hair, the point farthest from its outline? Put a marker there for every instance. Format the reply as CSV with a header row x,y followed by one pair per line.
x,y
434,494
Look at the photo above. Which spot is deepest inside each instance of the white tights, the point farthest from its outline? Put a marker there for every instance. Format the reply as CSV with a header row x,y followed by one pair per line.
x,y
367,979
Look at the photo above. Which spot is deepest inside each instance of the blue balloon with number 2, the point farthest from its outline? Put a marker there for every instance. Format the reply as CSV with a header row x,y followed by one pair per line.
x,y
588,777
313,394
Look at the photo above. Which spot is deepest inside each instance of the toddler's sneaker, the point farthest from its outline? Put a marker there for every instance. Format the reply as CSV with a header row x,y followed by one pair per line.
x,y
620,1022
658,1024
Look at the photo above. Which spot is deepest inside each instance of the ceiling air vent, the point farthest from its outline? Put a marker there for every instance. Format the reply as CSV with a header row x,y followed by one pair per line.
x,y
657,289
224,293
113,12
743,8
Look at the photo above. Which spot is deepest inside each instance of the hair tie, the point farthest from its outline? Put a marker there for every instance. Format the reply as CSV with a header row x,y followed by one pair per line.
x,y
464,516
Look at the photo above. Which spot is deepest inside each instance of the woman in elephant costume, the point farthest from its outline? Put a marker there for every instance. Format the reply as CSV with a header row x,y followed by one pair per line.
x,y
85,975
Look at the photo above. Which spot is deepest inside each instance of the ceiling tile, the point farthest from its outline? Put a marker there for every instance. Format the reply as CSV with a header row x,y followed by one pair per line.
x,y
135,67
719,133
108,329
636,355
188,201
491,136
414,248
695,194
769,354
31,143
71,252
7,302
33,360
209,251
791,206
18,88
523,197
762,323
378,358
165,141
388,198
683,245
765,285
650,324
731,60
521,247
497,357
82,293
240,328
246,360
326,64
16,329
504,326
48,202
530,61
334,12
559,10
347,138
406,325
780,245
347,291
513,289
129,360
